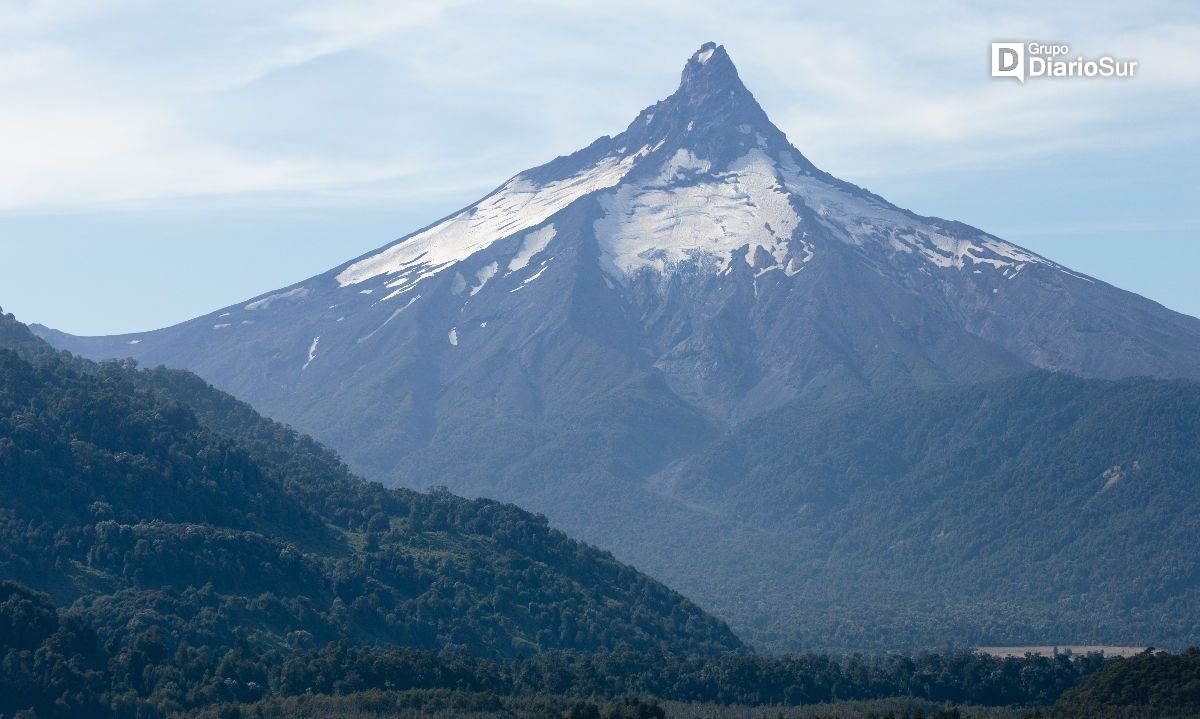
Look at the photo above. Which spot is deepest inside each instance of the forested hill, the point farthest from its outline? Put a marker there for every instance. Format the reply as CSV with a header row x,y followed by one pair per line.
x,y
161,507
1149,686
1040,508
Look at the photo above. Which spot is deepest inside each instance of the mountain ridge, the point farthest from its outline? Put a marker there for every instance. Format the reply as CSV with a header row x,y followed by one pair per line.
x,y
690,274
711,94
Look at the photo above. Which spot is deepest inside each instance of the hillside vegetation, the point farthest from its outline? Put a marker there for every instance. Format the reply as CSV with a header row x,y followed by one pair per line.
x,y
1039,509
156,506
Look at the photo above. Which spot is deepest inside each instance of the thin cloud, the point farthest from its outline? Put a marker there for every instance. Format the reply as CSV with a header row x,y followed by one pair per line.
x,y
128,102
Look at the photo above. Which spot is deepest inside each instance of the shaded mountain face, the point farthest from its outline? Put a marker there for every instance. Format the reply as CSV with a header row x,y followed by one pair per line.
x,y
594,321
162,507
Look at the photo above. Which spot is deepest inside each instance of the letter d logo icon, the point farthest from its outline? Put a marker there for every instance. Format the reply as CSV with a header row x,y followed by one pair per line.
x,y
1008,60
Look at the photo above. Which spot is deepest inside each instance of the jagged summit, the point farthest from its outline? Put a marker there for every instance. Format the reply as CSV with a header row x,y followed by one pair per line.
x,y
711,114
709,71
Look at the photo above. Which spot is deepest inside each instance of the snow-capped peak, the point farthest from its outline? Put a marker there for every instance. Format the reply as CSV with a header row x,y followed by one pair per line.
x,y
709,114
695,181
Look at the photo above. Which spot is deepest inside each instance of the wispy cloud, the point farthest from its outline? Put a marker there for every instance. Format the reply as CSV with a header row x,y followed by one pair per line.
x,y
369,100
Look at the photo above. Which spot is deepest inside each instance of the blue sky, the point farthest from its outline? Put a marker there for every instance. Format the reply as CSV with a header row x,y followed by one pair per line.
x,y
161,160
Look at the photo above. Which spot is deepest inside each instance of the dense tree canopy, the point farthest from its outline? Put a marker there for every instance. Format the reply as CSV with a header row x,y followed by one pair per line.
x,y
56,665
148,499
1148,685
1036,509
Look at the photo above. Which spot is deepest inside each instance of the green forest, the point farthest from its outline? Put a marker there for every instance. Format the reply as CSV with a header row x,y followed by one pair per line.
x,y
55,664
166,551
1003,513
119,497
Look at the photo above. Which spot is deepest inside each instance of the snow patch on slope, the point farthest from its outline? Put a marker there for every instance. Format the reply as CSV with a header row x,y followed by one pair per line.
x,y
298,293
518,205
531,245
859,220
394,315
312,353
484,274
682,164
537,274
661,224
525,282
